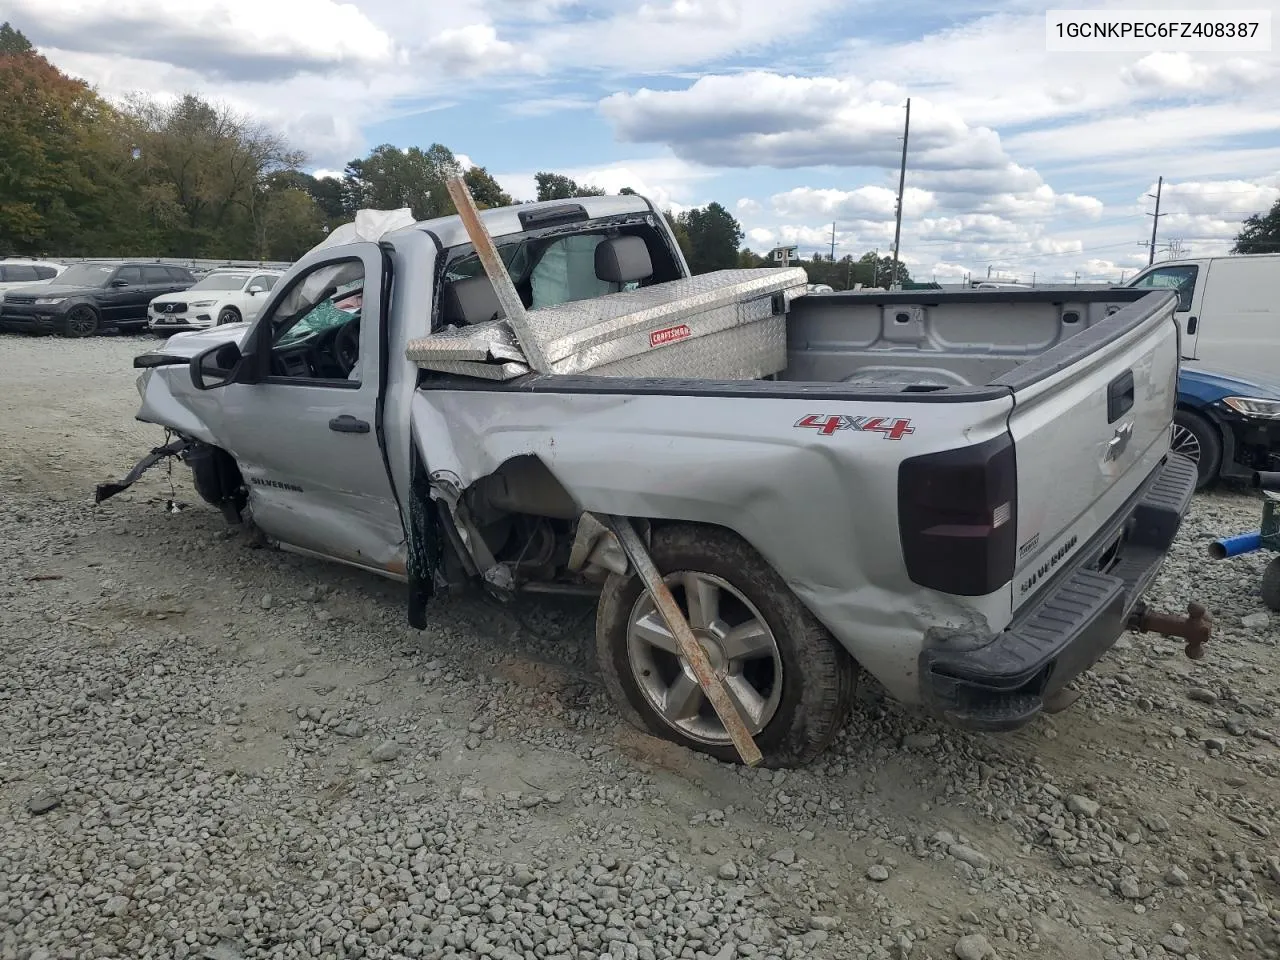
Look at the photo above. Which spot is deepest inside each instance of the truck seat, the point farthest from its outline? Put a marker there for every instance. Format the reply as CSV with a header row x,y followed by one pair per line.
x,y
623,260
469,301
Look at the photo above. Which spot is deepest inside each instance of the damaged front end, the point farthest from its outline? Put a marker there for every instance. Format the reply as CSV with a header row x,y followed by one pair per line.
x,y
213,473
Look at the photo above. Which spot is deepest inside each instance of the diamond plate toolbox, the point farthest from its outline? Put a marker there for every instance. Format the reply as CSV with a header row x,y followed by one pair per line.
x,y
653,331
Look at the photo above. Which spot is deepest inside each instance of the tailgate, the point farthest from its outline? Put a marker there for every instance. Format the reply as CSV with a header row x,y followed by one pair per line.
x,y
1091,421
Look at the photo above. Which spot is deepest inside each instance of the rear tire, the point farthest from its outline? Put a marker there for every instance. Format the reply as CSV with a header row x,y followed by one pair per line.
x,y
1197,438
82,321
228,315
794,677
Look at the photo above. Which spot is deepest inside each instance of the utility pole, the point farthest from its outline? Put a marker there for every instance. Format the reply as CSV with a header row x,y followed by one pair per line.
x,y
833,242
1155,222
902,183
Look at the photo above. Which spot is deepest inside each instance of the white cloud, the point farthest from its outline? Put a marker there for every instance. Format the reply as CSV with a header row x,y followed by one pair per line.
x,y
240,39
665,35
747,206
863,203
1237,198
762,238
1189,129
667,181
1176,73
766,119
476,49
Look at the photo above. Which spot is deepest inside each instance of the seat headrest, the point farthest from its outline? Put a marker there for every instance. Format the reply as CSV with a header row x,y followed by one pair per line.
x,y
623,260
469,301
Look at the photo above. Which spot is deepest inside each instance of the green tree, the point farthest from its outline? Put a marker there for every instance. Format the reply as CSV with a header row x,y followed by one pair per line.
x,y
556,186
627,192
879,271
1260,233
485,190
390,178
714,236
54,188
13,41
681,234
216,162
292,223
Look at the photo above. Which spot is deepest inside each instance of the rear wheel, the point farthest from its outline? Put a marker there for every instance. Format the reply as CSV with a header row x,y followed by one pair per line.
x,y
1197,438
82,321
228,315
789,679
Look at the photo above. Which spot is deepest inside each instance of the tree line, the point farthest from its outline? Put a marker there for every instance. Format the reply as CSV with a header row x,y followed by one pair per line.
x,y
82,176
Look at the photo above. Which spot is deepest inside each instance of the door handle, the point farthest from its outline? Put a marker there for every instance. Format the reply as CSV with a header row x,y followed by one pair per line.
x,y
348,424
1120,396
1191,325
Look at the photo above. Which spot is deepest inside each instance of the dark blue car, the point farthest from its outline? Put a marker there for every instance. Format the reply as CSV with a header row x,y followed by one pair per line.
x,y
1230,425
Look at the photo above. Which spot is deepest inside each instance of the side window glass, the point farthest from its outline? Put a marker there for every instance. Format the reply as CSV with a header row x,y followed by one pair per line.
x,y
315,328
131,275
1181,278
46,273
156,274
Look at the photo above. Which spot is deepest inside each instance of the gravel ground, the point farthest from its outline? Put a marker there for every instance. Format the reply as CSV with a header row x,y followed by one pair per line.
x,y
214,751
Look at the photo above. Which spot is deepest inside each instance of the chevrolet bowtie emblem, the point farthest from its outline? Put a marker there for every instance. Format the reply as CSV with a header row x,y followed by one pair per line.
x,y
1116,445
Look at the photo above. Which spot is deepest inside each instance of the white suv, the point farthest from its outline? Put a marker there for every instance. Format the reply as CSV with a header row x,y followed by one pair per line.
x,y
223,296
16,272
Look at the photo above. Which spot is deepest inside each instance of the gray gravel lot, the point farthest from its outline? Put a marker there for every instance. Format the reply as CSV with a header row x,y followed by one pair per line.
x,y
214,751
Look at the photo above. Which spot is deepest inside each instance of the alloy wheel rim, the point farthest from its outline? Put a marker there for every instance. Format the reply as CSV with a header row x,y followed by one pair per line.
x,y
81,320
738,642
1185,442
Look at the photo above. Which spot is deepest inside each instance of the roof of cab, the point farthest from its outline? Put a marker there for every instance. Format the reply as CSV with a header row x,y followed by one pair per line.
x,y
503,221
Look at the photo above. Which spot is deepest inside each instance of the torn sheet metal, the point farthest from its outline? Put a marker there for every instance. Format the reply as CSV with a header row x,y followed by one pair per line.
x,y
491,342
105,491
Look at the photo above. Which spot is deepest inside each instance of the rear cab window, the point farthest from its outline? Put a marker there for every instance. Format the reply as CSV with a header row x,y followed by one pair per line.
x,y
557,265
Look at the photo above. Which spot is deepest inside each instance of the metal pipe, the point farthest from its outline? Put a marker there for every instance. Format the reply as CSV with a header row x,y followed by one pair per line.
x,y
1234,546
1266,480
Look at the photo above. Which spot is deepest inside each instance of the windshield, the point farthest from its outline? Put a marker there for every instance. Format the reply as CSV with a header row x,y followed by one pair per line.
x,y
221,281
86,275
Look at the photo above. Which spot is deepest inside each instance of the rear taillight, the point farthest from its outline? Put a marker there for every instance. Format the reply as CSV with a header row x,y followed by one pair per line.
x,y
957,517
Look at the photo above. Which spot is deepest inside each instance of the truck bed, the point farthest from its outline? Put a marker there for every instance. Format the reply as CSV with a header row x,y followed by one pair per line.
x,y
932,339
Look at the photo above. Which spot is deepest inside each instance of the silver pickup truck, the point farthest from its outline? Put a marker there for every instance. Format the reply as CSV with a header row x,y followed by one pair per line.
x,y
962,494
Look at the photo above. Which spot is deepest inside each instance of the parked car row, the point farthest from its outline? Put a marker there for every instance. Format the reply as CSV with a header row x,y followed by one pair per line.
x,y
86,298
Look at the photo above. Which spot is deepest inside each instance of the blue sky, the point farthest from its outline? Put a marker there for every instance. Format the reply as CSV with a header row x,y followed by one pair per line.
x,y
1022,161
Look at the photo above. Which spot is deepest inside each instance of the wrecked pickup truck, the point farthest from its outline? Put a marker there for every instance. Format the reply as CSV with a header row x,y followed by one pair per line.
x,y
962,494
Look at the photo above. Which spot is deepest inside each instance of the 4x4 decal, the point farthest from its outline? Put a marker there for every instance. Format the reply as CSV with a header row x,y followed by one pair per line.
x,y
891,428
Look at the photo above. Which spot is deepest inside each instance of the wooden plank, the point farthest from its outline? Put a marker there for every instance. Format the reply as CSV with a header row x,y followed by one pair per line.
x,y
689,646
495,269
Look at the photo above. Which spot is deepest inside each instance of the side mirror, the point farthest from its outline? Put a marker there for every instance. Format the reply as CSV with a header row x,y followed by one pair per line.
x,y
215,367
119,283
255,290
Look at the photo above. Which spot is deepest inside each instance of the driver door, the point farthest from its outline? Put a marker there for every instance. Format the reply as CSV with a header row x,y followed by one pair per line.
x,y
303,433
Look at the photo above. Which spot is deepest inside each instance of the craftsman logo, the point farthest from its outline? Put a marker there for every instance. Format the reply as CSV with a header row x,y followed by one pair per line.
x,y
669,335
891,428
279,485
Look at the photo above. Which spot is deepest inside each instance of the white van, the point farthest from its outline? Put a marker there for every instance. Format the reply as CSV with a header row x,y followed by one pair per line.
x,y
1228,308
